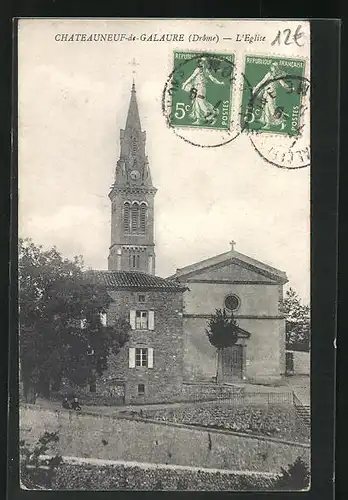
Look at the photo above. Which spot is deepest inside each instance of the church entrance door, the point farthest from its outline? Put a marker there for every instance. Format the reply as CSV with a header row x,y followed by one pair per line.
x,y
232,362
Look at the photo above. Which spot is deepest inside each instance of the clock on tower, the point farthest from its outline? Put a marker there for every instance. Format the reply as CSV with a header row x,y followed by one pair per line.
x,y
134,175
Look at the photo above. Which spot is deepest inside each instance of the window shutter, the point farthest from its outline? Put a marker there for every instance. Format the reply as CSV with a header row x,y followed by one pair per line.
x,y
151,320
132,319
103,318
150,357
132,357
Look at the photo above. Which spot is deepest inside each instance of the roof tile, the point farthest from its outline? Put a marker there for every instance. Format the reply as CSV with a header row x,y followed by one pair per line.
x,y
135,279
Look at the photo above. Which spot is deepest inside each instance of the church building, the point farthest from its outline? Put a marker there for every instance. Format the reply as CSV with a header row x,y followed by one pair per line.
x,y
253,292
149,367
168,343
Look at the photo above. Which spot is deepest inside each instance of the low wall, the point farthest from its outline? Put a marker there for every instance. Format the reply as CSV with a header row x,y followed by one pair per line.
x,y
184,392
203,392
301,363
110,438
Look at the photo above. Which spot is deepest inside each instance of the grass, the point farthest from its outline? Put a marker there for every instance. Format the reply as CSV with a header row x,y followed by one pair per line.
x,y
277,421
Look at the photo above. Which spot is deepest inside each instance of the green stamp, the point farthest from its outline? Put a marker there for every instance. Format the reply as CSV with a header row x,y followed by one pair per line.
x,y
273,94
200,87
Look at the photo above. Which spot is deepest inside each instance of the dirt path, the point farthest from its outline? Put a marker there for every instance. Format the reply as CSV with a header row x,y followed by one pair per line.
x,y
149,465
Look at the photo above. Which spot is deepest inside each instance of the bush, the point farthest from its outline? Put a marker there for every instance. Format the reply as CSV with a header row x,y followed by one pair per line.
x,y
295,477
36,474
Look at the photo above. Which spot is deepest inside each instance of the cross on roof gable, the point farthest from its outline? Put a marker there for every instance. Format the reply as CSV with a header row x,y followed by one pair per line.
x,y
229,258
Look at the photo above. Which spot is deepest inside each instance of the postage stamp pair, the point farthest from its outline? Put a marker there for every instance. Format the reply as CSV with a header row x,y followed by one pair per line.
x,y
202,92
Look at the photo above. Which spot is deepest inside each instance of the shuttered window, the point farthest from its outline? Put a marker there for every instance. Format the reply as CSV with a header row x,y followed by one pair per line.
x,y
150,357
132,319
141,356
141,320
126,210
143,215
135,217
151,320
132,357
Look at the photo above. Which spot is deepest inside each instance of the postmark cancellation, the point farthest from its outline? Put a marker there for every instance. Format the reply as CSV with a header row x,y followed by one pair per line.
x,y
273,93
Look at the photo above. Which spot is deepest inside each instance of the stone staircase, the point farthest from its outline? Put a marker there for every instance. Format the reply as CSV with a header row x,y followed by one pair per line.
x,y
303,412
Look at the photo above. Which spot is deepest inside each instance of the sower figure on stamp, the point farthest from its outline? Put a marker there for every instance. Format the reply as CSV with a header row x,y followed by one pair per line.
x,y
202,110
271,115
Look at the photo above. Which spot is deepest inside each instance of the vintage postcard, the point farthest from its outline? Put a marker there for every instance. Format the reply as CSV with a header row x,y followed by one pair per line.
x,y
164,254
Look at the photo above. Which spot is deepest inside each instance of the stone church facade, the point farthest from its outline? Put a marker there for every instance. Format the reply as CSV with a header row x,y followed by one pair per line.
x,y
253,292
168,344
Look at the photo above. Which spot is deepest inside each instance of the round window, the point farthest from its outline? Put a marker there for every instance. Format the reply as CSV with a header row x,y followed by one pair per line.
x,y
232,302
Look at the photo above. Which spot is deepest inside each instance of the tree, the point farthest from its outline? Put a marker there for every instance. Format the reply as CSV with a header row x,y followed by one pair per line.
x,y
61,333
222,332
295,477
297,324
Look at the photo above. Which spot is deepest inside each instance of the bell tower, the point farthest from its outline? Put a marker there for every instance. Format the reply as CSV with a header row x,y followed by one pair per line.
x,y
132,201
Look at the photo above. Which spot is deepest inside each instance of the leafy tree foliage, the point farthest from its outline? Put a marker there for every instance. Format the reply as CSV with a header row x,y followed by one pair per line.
x,y
295,477
297,321
222,332
61,333
31,461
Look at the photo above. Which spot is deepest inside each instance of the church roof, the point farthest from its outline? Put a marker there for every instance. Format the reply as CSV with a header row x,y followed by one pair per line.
x,y
227,258
128,280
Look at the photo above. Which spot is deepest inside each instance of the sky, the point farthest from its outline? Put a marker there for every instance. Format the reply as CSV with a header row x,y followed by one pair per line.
x,y
73,101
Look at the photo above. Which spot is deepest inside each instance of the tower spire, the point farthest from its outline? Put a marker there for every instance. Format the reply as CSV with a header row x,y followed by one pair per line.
x,y
133,119
132,197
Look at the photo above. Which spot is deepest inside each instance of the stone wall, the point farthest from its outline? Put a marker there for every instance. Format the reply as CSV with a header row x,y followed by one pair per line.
x,y
301,362
163,381
110,438
264,350
256,299
259,313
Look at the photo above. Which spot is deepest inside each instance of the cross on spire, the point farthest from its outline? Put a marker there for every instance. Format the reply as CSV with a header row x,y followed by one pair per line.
x,y
232,243
134,64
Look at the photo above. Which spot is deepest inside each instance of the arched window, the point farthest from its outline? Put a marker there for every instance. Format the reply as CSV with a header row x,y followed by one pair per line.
x,y
135,217
143,215
134,261
134,146
126,208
